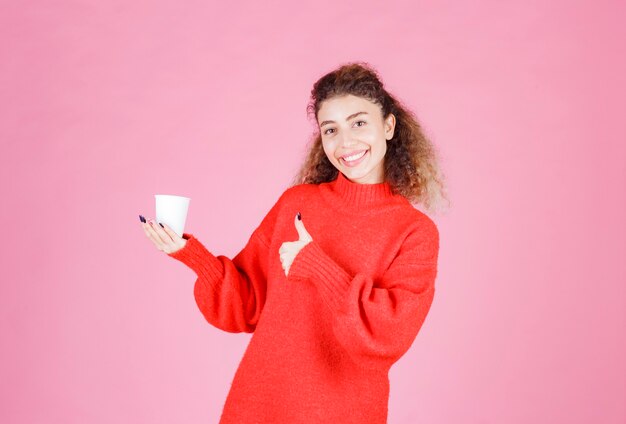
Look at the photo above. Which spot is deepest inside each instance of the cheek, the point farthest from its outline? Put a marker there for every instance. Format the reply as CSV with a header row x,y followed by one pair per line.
x,y
329,149
373,136
380,147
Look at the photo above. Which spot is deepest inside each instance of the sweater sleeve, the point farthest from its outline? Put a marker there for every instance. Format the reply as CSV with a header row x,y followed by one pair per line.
x,y
376,321
231,293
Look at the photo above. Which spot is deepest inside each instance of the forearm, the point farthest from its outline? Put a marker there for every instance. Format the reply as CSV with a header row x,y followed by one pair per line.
x,y
229,293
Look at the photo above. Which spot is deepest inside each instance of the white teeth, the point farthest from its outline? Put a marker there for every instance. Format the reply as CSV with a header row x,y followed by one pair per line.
x,y
354,157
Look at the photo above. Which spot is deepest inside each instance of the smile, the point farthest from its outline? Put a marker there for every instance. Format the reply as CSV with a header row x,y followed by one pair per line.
x,y
354,160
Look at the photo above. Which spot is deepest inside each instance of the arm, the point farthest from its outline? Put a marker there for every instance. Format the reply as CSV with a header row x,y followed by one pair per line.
x,y
231,293
376,321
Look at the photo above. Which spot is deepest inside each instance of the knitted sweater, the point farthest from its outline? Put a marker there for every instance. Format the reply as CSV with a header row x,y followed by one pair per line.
x,y
325,337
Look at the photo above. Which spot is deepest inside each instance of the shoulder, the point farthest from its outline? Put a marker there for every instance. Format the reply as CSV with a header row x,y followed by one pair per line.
x,y
420,231
425,223
291,195
416,220
299,192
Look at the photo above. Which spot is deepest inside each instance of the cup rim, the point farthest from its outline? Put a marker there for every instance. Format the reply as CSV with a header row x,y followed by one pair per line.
x,y
172,195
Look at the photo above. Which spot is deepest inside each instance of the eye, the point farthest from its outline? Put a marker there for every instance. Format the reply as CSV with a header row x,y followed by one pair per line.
x,y
326,132
358,122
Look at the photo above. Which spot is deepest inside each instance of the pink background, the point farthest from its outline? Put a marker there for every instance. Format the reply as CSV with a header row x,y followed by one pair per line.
x,y
105,104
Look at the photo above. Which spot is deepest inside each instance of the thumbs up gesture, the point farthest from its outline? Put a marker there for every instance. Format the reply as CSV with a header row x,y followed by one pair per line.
x,y
289,249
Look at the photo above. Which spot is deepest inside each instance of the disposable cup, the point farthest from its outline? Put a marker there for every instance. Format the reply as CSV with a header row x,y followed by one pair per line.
x,y
172,210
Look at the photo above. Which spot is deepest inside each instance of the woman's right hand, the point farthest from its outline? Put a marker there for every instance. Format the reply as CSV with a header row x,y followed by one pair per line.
x,y
163,237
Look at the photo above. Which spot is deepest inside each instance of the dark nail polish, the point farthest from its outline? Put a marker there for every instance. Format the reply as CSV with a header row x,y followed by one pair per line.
x,y
299,217
161,225
142,219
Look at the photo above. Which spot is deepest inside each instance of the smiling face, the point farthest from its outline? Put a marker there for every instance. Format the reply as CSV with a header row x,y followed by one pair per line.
x,y
354,137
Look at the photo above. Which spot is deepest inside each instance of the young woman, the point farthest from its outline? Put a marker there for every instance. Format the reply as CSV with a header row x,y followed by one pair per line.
x,y
338,278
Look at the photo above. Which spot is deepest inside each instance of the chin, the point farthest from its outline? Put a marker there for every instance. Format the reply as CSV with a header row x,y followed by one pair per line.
x,y
354,174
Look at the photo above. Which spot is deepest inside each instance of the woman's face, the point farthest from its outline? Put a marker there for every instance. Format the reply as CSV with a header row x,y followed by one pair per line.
x,y
354,137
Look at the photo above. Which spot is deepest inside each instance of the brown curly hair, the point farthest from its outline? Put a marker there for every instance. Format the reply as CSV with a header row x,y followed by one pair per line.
x,y
410,163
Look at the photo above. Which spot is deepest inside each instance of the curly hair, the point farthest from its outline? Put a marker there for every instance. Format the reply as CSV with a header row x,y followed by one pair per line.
x,y
410,162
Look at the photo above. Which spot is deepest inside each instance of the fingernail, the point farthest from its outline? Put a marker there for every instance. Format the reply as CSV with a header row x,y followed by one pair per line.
x,y
299,217
161,225
142,219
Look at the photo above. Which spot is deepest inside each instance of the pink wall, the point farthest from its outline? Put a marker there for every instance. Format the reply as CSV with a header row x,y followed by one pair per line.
x,y
106,103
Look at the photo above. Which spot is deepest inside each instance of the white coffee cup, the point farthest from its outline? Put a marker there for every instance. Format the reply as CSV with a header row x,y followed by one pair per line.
x,y
172,210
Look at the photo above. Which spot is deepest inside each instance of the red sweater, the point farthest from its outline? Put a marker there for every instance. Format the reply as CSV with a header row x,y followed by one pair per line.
x,y
326,336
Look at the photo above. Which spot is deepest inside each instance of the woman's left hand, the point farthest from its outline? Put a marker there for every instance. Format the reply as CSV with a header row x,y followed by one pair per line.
x,y
289,249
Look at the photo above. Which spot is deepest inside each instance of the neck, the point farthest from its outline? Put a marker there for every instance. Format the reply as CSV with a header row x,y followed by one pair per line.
x,y
348,195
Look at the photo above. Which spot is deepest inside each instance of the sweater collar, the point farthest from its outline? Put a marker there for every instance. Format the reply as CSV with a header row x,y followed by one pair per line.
x,y
358,195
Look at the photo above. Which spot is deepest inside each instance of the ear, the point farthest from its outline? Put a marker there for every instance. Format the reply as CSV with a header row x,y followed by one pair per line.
x,y
390,125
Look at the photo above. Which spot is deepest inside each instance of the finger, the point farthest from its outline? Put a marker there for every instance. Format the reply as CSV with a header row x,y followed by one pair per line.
x,y
165,238
171,233
146,229
153,235
303,234
285,247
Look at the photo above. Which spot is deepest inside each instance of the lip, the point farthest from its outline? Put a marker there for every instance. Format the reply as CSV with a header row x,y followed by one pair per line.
x,y
352,153
356,162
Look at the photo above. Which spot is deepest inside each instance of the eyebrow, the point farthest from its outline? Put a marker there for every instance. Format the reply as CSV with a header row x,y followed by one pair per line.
x,y
347,119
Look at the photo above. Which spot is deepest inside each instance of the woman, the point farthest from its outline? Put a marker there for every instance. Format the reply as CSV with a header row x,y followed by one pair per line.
x,y
337,280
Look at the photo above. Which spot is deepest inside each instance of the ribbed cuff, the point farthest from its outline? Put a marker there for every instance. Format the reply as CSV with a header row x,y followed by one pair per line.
x,y
200,260
332,281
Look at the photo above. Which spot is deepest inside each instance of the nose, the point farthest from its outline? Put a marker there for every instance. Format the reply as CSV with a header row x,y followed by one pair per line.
x,y
347,140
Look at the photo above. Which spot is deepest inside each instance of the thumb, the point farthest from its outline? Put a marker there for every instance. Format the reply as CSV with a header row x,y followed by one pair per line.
x,y
303,234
